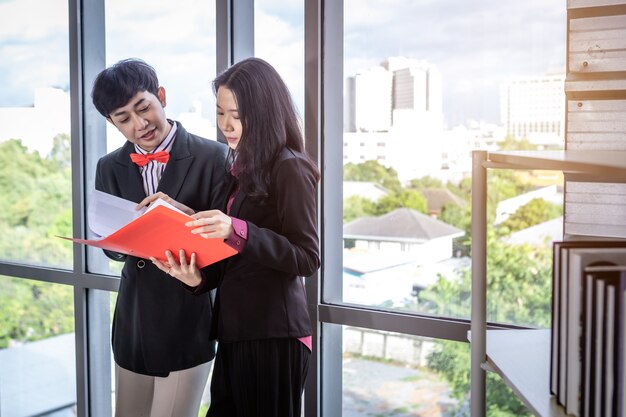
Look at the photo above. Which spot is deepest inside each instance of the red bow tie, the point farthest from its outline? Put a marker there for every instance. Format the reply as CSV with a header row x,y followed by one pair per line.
x,y
141,159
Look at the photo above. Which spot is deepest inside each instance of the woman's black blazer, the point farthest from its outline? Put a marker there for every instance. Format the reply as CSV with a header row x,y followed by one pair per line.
x,y
261,293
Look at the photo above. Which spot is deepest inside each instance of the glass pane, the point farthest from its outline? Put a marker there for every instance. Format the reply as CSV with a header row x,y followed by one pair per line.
x,y
422,90
178,40
37,362
279,39
35,172
394,374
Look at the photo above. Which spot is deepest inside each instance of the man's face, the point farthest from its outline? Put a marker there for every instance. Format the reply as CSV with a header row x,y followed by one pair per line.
x,y
142,120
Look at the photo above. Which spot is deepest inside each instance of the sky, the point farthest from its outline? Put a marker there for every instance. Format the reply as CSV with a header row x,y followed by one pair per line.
x,y
475,44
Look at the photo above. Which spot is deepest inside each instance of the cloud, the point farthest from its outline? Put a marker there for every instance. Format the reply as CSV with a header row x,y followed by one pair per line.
x,y
176,38
33,48
474,44
281,43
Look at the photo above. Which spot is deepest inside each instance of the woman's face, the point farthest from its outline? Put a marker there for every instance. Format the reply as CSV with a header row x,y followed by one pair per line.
x,y
228,117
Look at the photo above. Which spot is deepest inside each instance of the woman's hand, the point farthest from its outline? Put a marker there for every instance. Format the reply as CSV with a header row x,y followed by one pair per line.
x,y
186,272
151,198
211,224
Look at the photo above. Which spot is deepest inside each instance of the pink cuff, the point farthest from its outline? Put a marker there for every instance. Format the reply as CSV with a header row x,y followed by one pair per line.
x,y
308,341
239,236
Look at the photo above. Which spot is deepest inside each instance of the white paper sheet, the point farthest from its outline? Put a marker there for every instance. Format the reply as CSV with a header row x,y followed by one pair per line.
x,y
107,213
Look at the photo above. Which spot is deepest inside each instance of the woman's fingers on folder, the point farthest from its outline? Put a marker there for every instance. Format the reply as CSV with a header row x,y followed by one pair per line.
x,y
160,264
211,224
180,269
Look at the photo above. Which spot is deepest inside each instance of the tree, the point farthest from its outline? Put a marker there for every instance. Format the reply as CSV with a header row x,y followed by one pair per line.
x,y
425,182
372,171
61,151
33,310
35,206
510,143
356,206
519,287
534,212
402,198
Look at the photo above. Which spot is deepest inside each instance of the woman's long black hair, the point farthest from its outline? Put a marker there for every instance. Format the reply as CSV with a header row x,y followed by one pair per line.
x,y
269,123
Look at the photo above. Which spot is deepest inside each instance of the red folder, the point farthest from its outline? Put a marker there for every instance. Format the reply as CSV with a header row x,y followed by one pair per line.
x,y
158,230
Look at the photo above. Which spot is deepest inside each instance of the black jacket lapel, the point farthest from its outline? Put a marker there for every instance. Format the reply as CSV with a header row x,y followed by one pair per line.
x,y
128,174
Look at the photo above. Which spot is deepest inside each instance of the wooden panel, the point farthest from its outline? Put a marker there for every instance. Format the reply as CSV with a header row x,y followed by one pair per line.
x,y
596,209
597,44
594,85
582,229
575,4
596,124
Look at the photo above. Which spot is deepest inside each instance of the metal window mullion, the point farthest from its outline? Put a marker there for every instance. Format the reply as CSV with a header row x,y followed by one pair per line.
x,y
313,145
91,318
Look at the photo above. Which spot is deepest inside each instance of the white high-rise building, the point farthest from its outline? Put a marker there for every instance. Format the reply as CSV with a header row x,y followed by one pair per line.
x,y
534,108
396,113
372,100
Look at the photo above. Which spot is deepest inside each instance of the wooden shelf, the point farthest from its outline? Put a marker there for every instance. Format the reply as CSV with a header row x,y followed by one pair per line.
x,y
605,163
522,359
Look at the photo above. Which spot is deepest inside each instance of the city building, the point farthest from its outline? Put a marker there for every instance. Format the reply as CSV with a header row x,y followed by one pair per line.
x,y
533,108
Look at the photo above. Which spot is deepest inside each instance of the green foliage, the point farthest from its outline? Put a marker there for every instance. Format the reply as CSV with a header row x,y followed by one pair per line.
x,y
510,143
356,206
33,310
35,206
203,410
424,183
374,172
452,361
534,212
518,287
402,198
61,151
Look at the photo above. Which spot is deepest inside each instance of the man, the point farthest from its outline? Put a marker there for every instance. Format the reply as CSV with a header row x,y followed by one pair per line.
x,y
160,335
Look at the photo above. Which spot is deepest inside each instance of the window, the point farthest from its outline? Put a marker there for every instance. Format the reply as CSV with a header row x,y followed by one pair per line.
x,y
387,373
178,40
409,219
279,39
37,363
453,76
35,171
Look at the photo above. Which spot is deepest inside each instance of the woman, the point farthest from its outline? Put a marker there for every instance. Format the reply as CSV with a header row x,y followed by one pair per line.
x,y
263,326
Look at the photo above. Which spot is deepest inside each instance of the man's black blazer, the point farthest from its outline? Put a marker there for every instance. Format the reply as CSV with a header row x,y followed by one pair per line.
x,y
261,294
158,326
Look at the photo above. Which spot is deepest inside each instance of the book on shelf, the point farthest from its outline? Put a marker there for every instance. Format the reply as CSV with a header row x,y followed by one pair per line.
x,y
571,318
560,297
595,405
606,369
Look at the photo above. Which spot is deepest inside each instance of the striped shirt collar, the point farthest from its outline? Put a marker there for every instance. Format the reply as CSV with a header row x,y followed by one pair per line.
x,y
152,172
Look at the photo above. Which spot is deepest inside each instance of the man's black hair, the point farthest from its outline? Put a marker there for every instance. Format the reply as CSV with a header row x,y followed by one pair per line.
x,y
116,85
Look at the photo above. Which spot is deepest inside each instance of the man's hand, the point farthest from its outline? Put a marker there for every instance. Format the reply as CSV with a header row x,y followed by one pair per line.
x,y
150,199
